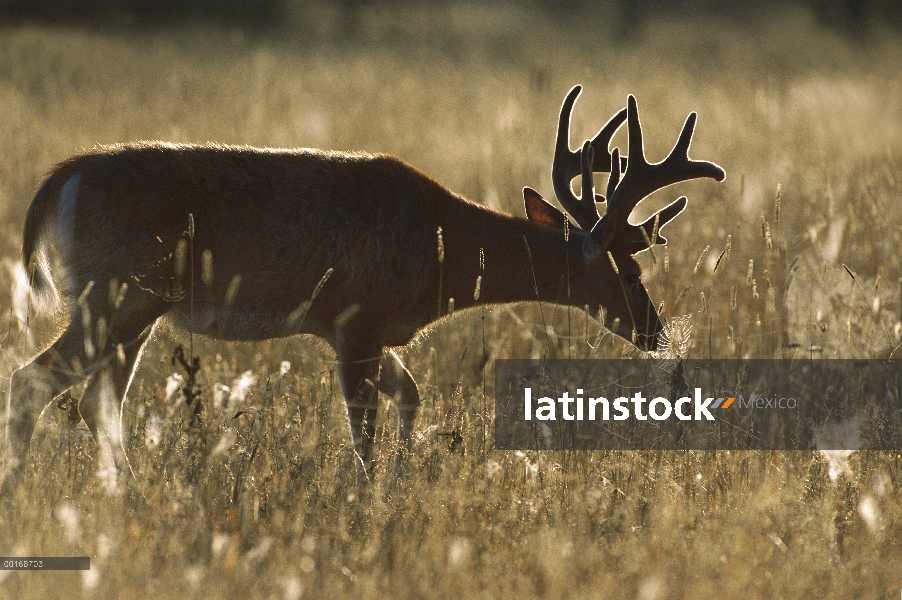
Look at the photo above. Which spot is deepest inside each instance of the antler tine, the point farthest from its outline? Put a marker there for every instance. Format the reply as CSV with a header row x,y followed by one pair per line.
x,y
588,153
568,164
614,178
603,160
663,216
642,178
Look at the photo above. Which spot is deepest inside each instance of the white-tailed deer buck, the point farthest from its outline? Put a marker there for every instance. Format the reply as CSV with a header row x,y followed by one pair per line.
x,y
339,245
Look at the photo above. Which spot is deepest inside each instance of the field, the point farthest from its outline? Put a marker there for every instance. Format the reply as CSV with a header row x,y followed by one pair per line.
x,y
804,235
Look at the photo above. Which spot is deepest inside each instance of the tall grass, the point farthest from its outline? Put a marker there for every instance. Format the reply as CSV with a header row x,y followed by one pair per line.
x,y
260,499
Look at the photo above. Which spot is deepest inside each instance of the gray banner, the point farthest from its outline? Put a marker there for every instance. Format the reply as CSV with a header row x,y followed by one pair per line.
x,y
698,404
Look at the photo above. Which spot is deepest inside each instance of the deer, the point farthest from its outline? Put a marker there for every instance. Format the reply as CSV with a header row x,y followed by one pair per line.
x,y
341,245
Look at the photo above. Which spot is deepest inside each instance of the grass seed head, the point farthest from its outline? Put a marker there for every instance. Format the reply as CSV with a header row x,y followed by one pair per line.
x,y
346,315
181,257
777,204
232,291
206,267
83,297
701,257
322,282
613,263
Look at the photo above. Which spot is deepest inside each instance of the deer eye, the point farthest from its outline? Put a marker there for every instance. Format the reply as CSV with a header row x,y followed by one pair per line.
x,y
632,280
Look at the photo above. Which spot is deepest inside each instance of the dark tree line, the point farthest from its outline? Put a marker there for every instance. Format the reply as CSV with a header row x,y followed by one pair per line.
x,y
853,17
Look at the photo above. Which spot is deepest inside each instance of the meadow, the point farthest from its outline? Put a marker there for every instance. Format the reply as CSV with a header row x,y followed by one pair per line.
x,y
795,254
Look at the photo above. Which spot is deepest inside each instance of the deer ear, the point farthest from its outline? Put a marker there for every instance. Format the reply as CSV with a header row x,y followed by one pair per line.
x,y
538,210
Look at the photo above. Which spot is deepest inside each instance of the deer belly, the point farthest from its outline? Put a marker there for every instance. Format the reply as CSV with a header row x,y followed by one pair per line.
x,y
235,324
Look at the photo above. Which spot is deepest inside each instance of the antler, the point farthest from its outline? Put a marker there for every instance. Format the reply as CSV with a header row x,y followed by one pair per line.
x,y
568,165
640,180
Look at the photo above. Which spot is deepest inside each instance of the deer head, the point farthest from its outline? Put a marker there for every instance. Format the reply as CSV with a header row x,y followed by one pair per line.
x,y
610,242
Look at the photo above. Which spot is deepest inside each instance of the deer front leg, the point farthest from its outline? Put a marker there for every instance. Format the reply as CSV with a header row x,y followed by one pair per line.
x,y
358,369
396,382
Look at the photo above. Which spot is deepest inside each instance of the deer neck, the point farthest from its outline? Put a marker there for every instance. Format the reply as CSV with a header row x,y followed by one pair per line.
x,y
522,261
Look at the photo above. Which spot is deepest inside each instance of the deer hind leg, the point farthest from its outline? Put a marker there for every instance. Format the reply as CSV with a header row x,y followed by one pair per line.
x,y
74,357
101,404
32,387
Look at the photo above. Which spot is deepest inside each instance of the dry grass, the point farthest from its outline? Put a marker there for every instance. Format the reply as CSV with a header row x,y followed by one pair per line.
x,y
266,504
